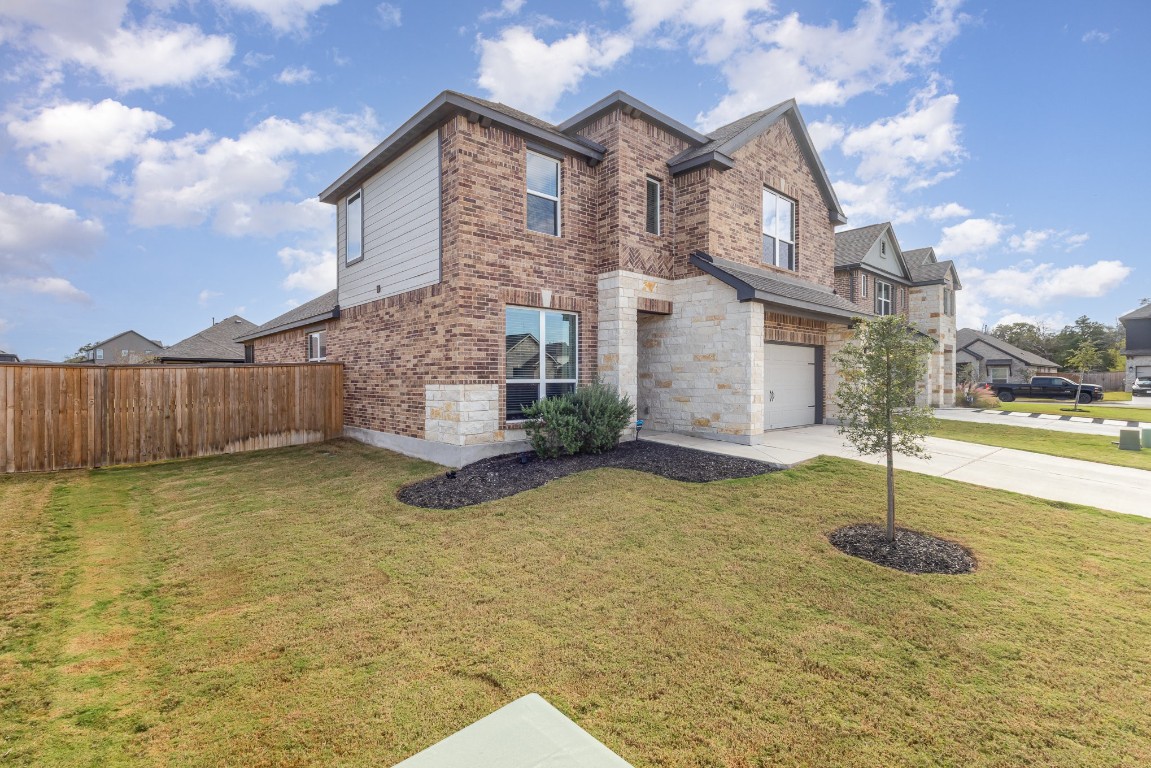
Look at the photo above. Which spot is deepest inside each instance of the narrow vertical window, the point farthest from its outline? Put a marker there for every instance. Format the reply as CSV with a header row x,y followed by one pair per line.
x,y
317,346
882,298
863,278
354,228
653,195
778,230
543,194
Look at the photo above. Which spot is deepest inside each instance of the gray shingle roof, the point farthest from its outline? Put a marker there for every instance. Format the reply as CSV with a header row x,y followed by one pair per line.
x,y
852,245
215,343
931,272
320,308
965,337
771,288
1138,314
919,256
724,134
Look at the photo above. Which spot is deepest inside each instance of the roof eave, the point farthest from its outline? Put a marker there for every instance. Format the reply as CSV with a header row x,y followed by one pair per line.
x,y
436,112
632,107
330,315
713,159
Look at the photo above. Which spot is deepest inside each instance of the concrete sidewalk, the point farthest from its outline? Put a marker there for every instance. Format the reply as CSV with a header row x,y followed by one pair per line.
x,y
1118,489
1080,424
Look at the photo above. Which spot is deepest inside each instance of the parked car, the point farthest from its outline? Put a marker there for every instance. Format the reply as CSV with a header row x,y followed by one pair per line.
x,y
1141,387
1055,387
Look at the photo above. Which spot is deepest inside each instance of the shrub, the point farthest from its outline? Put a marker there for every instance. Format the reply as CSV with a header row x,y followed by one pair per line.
x,y
554,427
603,413
588,420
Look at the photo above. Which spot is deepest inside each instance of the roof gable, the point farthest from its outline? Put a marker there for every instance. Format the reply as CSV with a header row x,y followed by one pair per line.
x,y
632,107
727,140
874,246
151,342
967,337
1141,313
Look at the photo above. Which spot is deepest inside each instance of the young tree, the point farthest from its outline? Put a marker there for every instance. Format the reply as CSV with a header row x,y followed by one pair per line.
x,y
880,370
1085,358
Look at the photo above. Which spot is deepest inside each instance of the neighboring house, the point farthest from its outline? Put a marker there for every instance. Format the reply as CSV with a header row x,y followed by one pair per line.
x,y
127,348
297,336
993,359
1137,327
8,357
215,344
875,274
694,272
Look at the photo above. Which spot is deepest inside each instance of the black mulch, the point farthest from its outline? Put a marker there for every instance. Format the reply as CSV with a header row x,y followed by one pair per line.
x,y
912,551
503,476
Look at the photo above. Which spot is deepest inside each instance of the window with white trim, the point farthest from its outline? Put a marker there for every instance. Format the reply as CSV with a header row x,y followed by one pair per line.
x,y
653,197
863,279
99,354
882,298
543,184
778,230
999,374
317,346
540,350
354,227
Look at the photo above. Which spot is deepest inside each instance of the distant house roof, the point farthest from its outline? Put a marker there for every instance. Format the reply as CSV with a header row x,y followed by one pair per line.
x,y
723,142
852,245
8,357
966,337
321,308
157,342
215,344
1142,313
800,296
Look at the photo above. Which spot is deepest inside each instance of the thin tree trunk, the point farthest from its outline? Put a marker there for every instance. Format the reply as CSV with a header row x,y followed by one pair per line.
x,y
890,492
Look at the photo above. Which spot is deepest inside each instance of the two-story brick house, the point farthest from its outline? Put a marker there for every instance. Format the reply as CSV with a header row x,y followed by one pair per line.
x,y
874,273
487,258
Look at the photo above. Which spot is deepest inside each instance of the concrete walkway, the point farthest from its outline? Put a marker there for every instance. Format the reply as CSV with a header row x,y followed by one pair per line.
x,y
1118,489
1067,423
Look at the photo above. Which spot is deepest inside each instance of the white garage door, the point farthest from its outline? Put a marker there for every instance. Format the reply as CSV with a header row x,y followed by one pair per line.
x,y
788,386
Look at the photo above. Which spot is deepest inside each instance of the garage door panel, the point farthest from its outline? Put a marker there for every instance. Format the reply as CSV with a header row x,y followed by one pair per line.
x,y
789,386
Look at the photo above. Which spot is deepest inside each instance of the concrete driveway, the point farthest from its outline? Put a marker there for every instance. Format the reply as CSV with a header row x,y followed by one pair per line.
x,y
1118,489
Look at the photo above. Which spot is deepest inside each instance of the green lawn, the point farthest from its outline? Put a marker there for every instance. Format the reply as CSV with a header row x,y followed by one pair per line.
x,y
282,609
1116,397
1070,445
1064,408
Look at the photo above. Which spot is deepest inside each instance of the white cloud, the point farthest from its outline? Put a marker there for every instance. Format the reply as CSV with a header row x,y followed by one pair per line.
x,y
76,20
313,271
507,8
1095,36
972,236
826,64
825,134
77,142
1034,239
148,57
947,211
911,144
187,181
283,15
714,29
206,296
30,231
1030,284
1075,241
295,76
56,287
389,16
522,70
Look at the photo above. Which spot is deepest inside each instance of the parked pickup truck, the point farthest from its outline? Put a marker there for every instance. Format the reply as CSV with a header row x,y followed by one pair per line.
x,y
1051,387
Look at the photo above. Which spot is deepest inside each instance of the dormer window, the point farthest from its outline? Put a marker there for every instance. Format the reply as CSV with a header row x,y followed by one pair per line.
x,y
778,230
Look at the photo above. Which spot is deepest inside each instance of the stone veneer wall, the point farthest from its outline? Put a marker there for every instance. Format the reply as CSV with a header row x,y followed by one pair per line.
x,y
462,414
926,313
701,367
837,336
1134,362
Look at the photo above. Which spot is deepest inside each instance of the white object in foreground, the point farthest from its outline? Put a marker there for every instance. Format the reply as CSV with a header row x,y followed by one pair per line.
x,y
528,733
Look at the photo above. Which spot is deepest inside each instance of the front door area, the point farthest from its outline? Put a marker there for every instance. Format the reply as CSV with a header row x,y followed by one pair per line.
x,y
789,386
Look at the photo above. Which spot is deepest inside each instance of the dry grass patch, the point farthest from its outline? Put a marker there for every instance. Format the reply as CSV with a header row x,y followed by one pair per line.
x,y
285,610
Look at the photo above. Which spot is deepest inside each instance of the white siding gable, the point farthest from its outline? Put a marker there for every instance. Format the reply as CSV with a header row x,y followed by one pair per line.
x,y
401,207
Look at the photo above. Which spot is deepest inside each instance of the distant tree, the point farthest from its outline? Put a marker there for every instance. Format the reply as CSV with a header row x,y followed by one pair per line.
x,y
1033,337
880,371
1085,358
1144,302
81,354
1100,335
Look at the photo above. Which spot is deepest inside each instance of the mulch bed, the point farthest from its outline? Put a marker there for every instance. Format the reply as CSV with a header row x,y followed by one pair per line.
x,y
911,552
503,476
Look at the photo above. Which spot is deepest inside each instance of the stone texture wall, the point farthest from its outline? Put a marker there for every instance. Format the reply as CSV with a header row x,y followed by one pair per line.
x,y
621,296
701,368
837,335
926,312
1133,364
462,414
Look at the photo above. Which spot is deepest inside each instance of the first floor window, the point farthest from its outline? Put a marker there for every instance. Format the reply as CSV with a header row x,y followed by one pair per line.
x,y
882,298
317,346
999,373
354,228
540,348
543,194
778,230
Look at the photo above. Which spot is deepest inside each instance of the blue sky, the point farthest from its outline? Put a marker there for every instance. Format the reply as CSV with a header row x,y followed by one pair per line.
x,y
160,160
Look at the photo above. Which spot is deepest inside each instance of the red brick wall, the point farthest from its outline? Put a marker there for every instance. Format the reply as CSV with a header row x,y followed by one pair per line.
x,y
844,278
287,347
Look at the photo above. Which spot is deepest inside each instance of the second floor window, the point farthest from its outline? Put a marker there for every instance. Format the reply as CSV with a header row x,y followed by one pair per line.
x,y
543,194
653,206
778,230
882,298
863,283
354,228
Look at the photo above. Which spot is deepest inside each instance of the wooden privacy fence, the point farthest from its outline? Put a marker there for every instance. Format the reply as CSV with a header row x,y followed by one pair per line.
x,y
1111,381
70,416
